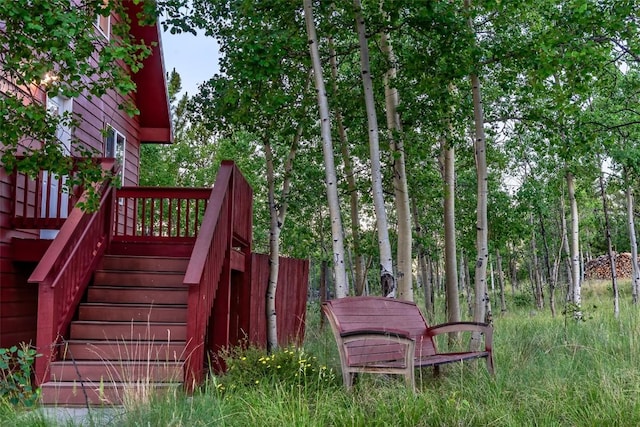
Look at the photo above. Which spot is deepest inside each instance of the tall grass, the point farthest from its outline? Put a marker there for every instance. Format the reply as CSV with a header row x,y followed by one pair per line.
x,y
549,372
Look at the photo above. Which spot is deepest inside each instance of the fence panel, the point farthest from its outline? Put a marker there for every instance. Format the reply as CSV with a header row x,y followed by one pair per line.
x,y
291,300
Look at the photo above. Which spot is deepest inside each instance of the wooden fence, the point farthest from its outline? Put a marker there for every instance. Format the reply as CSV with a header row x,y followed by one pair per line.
x,y
291,299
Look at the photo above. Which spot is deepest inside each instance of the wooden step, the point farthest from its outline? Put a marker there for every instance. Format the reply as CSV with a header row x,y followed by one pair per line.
x,y
74,393
132,312
176,247
129,331
144,263
158,350
117,371
137,295
130,337
151,279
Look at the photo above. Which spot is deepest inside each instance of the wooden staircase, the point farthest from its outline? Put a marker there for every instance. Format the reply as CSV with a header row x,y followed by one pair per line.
x,y
129,336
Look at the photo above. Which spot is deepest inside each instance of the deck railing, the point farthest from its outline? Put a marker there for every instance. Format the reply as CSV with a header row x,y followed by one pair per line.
x,y
217,221
210,261
43,202
65,271
158,213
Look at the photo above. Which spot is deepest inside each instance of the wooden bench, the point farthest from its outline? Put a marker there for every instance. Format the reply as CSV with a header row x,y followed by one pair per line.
x,y
388,336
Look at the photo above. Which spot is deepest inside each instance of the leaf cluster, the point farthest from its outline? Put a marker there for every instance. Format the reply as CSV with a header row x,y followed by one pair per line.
x,y
289,367
52,47
16,369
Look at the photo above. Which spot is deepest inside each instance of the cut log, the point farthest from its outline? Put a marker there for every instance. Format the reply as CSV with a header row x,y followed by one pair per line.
x,y
600,269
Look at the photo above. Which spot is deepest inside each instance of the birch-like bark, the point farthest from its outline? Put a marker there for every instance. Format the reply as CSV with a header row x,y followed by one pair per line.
x,y
342,289
450,251
567,248
612,255
277,215
503,302
513,271
547,264
426,283
467,281
556,272
574,244
492,276
400,188
482,305
422,262
354,203
535,268
387,279
635,269
323,288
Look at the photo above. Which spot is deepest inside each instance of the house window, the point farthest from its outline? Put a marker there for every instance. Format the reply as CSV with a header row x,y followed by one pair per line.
x,y
58,106
115,147
103,23
54,202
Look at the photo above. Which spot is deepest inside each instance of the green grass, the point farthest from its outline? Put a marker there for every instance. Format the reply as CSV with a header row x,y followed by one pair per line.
x,y
549,372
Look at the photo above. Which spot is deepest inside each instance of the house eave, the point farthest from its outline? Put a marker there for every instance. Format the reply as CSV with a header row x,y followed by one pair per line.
x,y
152,97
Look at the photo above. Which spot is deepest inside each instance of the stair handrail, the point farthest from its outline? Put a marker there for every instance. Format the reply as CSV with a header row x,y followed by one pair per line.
x,y
66,268
210,252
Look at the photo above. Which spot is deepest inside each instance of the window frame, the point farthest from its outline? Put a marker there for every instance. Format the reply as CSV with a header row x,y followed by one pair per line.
x,y
113,138
103,23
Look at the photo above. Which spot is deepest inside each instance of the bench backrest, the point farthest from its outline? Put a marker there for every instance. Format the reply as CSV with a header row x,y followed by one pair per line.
x,y
378,313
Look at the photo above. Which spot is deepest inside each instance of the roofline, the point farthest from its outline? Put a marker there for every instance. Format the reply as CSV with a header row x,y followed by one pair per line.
x,y
152,96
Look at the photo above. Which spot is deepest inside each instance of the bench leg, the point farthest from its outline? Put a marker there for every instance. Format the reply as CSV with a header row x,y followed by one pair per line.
x,y
436,371
348,379
410,379
490,367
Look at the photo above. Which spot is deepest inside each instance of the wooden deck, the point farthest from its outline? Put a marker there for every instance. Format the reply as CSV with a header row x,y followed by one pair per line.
x,y
199,275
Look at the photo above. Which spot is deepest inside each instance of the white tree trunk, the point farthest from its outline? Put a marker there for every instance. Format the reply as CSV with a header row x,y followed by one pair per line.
x,y
342,289
567,249
574,243
274,254
400,187
535,268
354,203
482,311
277,213
503,302
635,271
450,251
387,279
482,305
611,253
422,262
404,272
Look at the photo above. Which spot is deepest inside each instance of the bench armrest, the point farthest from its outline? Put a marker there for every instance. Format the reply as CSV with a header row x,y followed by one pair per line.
x,y
483,328
396,333
379,339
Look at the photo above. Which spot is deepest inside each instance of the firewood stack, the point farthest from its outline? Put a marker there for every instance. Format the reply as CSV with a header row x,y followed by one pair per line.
x,y
598,268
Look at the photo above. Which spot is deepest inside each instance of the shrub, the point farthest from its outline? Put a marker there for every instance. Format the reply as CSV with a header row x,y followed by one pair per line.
x,y
522,300
290,366
16,366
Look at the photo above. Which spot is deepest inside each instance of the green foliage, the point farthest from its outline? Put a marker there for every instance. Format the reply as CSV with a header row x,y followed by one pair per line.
x,y
52,47
286,367
547,374
16,368
523,300
559,81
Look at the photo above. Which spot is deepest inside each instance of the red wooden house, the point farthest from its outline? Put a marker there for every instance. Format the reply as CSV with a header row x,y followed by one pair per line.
x,y
146,290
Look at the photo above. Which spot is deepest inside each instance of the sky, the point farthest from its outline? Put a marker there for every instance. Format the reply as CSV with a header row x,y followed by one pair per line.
x,y
195,58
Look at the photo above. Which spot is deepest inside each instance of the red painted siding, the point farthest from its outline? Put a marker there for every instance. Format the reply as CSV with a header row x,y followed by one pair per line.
x,y
18,305
95,115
